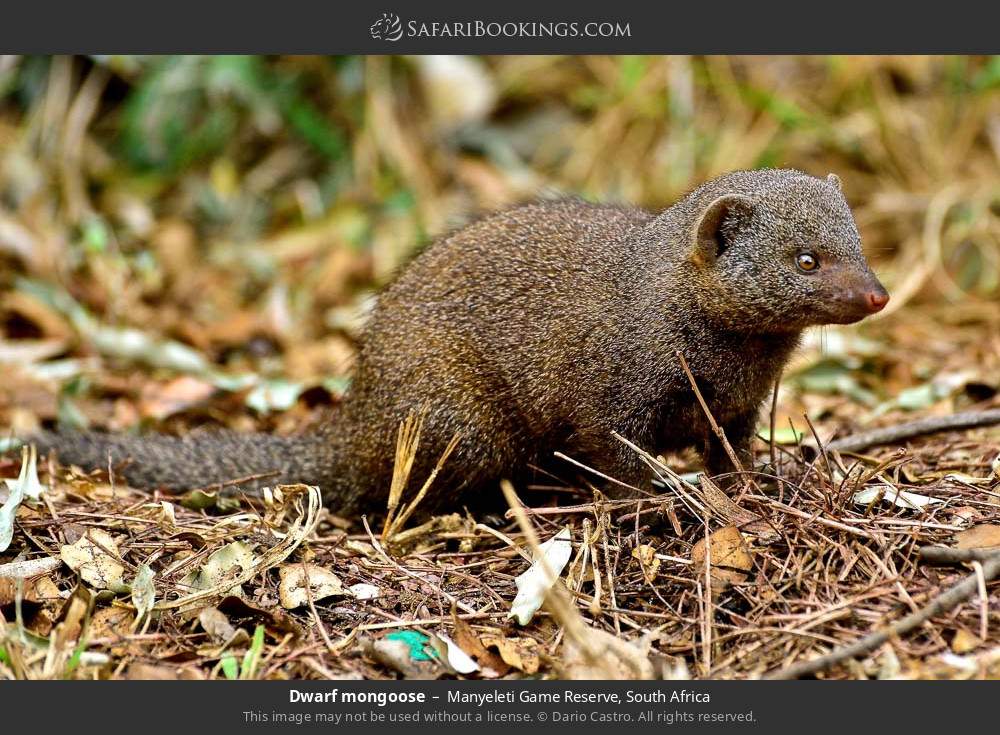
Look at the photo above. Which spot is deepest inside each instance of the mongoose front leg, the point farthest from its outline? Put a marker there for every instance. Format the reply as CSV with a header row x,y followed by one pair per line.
x,y
739,433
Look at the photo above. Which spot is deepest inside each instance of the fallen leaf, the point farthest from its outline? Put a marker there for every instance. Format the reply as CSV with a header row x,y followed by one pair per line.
x,y
274,395
729,557
143,591
964,641
223,564
98,568
519,652
160,400
110,622
601,655
984,536
25,486
293,590
139,671
452,653
275,618
544,571
364,591
491,665
900,498
202,500
27,351
396,653
723,505
646,556
215,622
965,479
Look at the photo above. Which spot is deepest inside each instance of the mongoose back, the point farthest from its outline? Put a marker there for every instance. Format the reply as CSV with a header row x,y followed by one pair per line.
x,y
550,326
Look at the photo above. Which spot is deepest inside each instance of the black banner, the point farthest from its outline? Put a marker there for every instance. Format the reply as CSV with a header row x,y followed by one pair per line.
x,y
448,26
353,706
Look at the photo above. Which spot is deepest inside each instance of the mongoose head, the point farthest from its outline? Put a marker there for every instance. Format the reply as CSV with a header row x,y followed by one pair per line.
x,y
779,250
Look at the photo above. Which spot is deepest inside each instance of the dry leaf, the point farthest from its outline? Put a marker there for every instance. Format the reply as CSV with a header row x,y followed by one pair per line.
x,y
730,557
225,563
899,498
521,653
491,664
293,591
604,656
139,671
160,400
964,641
96,566
984,536
723,505
216,624
110,622
143,590
363,591
646,555
534,584
452,653
396,655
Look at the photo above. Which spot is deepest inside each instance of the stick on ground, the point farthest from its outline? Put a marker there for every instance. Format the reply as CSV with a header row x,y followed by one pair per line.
x,y
940,604
910,429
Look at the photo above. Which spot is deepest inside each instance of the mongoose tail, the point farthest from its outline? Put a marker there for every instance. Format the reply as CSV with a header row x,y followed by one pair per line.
x,y
202,459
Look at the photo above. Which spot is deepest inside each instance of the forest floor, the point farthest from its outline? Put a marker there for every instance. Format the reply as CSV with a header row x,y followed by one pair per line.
x,y
126,583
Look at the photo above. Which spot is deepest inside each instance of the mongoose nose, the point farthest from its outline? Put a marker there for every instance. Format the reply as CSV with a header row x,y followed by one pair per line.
x,y
877,300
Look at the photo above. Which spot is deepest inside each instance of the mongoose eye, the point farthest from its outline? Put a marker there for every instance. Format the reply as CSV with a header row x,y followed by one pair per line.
x,y
807,262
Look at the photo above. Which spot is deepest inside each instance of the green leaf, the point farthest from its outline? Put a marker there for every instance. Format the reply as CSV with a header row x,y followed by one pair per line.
x,y
782,435
251,659
95,234
74,660
230,668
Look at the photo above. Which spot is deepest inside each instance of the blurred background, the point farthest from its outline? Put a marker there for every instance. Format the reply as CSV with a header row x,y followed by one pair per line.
x,y
189,240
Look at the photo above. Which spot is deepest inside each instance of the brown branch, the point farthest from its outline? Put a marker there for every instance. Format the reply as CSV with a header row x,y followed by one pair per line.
x,y
774,410
946,555
711,419
952,597
910,429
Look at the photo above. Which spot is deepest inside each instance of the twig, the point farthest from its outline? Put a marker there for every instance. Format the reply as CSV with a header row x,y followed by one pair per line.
x,y
946,555
412,575
234,481
940,604
910,429
609,478
774,411
708,414
315,612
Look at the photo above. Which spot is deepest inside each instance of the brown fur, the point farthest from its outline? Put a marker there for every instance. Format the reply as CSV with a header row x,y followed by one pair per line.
x,y
547,327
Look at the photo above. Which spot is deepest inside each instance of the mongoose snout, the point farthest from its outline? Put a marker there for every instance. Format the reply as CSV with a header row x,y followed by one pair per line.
x,y
852,293
550,327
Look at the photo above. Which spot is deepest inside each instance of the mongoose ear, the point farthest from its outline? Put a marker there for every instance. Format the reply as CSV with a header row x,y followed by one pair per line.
x,y
834,180
717,225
